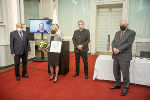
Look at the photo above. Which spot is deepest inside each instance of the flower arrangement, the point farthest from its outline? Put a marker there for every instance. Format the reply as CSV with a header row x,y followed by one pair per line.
x,y
43,45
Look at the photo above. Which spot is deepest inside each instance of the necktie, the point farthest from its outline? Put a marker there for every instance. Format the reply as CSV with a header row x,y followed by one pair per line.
x,y
21,35
121,34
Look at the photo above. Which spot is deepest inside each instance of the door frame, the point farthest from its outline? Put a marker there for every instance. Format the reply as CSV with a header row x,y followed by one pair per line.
x,y
109,25
94,5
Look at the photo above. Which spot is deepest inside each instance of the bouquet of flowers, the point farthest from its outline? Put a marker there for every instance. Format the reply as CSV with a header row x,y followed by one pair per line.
x,y
43,45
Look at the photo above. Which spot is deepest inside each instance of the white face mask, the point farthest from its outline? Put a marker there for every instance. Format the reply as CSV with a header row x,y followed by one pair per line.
x,y
19,29
81,26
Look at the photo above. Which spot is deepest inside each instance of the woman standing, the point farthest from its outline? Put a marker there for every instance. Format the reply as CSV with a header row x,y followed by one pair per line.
x,y
53,57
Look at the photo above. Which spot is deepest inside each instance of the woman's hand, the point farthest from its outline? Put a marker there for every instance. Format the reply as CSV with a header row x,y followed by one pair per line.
x,y
45,51
13,55
29,52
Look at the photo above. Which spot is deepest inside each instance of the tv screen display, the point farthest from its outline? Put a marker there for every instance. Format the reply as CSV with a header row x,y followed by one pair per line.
x,y
40,25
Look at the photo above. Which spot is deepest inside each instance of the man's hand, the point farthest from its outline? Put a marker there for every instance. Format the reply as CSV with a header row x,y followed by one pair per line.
x,y
116,51
29,52
80,47
13,55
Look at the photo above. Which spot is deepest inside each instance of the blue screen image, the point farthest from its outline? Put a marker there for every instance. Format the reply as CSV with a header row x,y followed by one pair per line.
x,y
36,24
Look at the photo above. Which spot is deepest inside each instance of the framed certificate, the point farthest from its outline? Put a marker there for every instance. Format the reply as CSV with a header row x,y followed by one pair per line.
x,y
55,46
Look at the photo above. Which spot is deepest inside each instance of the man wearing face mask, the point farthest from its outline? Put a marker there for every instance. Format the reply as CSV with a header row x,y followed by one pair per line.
x,y
122,55
20,48
81,39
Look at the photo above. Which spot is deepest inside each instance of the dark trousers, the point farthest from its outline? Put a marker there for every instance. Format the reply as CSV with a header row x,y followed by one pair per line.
x,y
24,63
118,67
84,58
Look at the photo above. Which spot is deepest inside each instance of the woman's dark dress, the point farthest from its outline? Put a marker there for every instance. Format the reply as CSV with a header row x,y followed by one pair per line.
x,y
53,58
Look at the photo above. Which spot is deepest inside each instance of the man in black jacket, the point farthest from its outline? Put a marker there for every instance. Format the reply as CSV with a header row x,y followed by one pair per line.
x,y
81,39
20,48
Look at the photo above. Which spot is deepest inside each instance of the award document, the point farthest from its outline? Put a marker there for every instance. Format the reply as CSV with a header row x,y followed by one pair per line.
x,y
55,46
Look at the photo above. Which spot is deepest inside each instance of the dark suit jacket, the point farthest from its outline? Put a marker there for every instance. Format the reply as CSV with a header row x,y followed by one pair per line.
x,y
17,45
81,38
124,45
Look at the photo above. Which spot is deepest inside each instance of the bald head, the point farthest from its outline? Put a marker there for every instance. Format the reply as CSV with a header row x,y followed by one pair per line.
x,y
123,22
123,25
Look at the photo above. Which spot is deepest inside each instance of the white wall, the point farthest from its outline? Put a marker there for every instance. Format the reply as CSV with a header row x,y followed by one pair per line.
x,y
93,13
46,8
6,58
4,25
9,18
0,11
12,15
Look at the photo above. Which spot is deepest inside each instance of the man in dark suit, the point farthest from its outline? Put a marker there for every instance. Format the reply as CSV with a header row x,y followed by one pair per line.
x,y
20,48
122,55
81,39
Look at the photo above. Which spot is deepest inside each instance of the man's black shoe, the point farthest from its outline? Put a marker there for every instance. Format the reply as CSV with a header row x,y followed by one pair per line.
x,y
115,87
124,92
86,77
18,78
25,76
76,74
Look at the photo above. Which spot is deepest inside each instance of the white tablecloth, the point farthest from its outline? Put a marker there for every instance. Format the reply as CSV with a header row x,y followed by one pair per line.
x,y
139,70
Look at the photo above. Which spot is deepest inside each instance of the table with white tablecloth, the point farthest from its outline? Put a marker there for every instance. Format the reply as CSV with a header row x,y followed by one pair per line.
x,y
139,70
